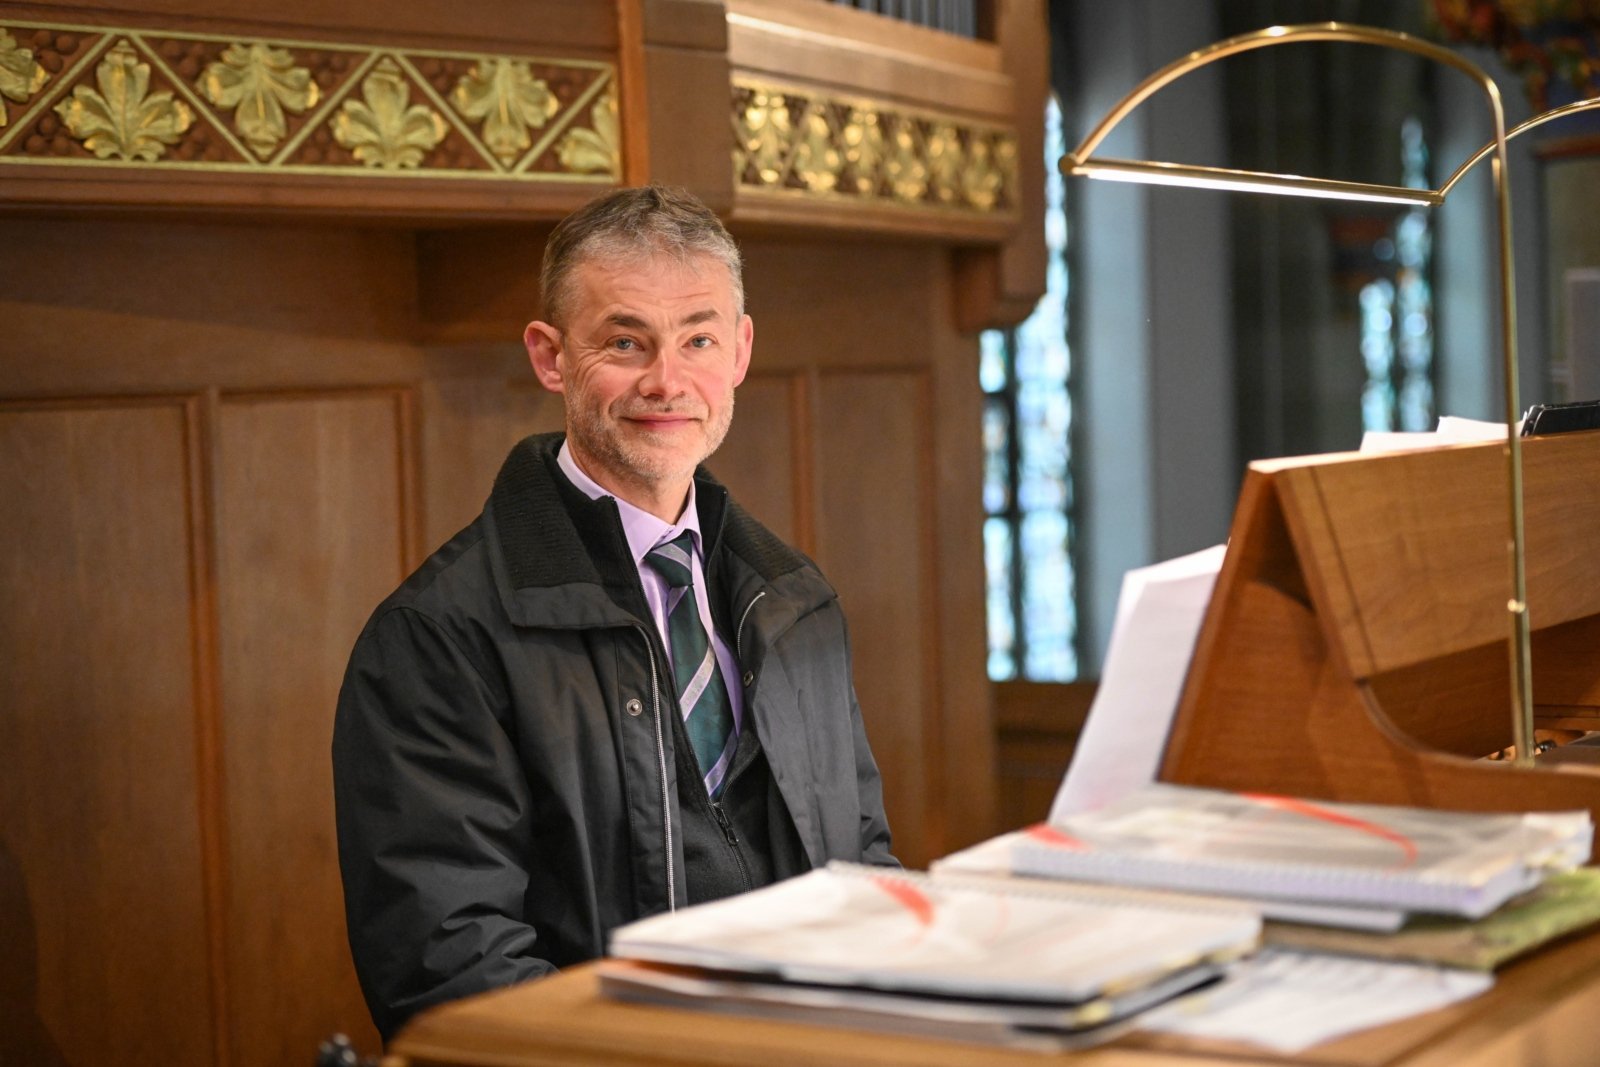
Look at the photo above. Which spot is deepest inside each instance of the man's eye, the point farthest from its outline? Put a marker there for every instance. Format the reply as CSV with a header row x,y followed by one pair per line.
x,y
702,341
625,344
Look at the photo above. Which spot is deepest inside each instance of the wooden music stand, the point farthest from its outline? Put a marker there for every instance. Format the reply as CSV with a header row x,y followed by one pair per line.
x,y
1355,646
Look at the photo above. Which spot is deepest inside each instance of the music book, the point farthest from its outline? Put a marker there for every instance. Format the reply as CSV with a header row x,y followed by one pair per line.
x,y
906,950
1563,904
1017,1024
1271,847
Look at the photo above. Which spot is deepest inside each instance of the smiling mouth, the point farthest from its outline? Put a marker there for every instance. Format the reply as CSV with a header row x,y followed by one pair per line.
x,y
662,421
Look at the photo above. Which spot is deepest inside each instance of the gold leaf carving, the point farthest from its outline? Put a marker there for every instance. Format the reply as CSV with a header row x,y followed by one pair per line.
x,y
509,100
260,82
982,179
124,118
764,133
388,130
945,162
817,161
20,75
863,147
598,149
908,174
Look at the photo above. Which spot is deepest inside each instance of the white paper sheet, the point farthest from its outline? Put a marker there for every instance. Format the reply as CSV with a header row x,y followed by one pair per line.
x,y
1288,1001
1152,639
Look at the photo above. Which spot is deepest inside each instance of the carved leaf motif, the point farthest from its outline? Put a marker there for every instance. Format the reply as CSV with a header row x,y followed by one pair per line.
x,y
764,134
864,148
261,82
598,149
981,180
908,174
388,130
20,75
945,162
816,159
124,118
509,100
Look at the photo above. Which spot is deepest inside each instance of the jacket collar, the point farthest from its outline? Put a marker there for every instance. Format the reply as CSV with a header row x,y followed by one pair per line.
x,y
561,559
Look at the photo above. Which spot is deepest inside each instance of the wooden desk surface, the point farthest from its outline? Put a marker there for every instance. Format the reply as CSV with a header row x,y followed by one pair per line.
x,y
1542,1012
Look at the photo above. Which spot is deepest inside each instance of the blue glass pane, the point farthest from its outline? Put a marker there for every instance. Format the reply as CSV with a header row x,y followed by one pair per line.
x,y
1038,644
992,373
997,560
1048,616
996,456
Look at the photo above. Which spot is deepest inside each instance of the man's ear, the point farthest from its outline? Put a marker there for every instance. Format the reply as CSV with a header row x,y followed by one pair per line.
x,y
744,339
543,342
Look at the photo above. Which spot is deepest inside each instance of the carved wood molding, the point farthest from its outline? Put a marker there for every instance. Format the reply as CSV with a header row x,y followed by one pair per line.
x,y
110,100
798,146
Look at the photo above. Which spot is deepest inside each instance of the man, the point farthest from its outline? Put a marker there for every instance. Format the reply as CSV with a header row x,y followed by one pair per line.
x,y
615,693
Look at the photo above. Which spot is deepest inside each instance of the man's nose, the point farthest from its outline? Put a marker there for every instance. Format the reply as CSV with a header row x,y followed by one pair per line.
x,y
664,375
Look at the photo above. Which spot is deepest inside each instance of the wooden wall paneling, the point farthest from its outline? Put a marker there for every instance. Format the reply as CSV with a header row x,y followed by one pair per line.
x,y
956,452
100,799
871,54
685,73
874,540
565,24
765,461
137,306
313,524
1038,727
999,286
468,426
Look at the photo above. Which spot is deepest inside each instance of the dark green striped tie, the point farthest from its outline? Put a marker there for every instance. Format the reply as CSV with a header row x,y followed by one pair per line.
x,y
702,694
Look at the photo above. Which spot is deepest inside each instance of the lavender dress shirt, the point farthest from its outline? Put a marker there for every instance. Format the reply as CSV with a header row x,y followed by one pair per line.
x,y
644,532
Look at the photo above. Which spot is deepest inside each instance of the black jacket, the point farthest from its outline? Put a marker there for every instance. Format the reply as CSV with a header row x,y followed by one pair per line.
x,y
504,771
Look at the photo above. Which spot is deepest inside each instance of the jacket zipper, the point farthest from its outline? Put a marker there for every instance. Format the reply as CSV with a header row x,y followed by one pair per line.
x,y
733,841
738,633
661,766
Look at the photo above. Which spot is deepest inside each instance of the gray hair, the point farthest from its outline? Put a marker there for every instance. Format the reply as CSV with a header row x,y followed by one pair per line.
x,y
634,224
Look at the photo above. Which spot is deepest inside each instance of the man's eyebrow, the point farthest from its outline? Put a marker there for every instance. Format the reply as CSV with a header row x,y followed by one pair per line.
x,y
704,315
629,321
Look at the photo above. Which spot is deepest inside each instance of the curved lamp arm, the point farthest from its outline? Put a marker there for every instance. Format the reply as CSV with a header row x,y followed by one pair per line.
x,y
1517,131
1081,162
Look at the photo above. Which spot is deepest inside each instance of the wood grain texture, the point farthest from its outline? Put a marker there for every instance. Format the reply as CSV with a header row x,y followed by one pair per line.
x,y
875,543
871,54
1275,699
310,518
1425,564
1538,1014
99,799
761,461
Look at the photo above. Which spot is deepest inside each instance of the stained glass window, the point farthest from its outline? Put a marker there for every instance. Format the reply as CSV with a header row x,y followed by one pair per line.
x,y
1027,472
1397,312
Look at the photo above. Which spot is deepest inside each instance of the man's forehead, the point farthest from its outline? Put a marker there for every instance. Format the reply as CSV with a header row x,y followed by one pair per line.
x,y
701,283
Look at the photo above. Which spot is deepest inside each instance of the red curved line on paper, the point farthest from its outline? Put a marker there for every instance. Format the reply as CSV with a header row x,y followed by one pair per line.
x,y
914,900
1338,818
1051,835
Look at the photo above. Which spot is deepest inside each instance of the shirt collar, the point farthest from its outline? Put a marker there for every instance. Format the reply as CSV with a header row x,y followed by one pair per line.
x,y
643,530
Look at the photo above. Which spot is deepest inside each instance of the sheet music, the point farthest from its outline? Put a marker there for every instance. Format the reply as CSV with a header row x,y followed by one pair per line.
x,y
1152,639
1288,1001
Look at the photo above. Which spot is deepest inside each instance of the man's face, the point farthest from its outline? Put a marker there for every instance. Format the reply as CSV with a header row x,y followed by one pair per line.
x,y
648,360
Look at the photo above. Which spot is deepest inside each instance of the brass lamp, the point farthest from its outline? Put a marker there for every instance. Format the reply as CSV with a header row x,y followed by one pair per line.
x,y
1081,161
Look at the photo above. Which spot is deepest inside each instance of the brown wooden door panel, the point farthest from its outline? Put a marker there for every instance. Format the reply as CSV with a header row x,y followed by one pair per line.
x,y
312,514
100,798
874,539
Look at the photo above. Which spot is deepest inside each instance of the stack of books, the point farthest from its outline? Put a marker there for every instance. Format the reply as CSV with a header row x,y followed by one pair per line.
x,y
1019,964
1062,934
1366,866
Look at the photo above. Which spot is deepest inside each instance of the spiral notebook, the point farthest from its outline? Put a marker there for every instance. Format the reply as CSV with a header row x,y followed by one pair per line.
x,y
1272,847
